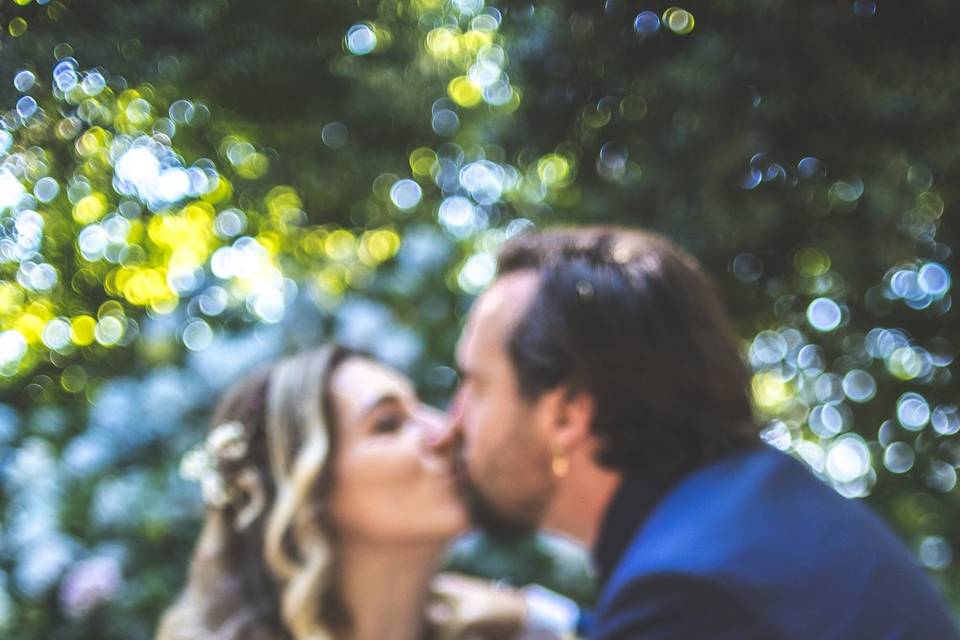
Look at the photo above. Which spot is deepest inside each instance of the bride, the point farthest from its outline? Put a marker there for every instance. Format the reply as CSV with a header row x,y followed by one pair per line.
x,y
326,514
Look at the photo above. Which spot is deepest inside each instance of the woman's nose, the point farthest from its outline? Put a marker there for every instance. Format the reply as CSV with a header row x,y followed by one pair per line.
x,y
431,420
435,425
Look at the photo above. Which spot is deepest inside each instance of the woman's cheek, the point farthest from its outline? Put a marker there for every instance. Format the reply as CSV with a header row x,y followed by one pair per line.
x,y
392,469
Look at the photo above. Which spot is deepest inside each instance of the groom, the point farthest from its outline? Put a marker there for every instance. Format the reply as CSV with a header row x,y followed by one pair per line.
x,y
603,395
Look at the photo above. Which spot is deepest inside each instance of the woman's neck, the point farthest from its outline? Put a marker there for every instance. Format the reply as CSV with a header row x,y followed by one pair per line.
x,y
385,589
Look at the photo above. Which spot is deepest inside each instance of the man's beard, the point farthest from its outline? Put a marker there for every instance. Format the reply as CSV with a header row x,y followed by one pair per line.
x,y
485,515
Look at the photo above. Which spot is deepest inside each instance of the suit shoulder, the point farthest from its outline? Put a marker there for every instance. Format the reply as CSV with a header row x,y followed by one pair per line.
x,y
659,606
761,502
766,529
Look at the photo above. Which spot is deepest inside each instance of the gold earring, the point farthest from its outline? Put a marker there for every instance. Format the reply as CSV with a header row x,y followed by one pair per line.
x,y
560,464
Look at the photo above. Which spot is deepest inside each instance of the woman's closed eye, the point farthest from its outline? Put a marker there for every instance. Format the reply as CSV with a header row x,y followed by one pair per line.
x,y
389,423
388,415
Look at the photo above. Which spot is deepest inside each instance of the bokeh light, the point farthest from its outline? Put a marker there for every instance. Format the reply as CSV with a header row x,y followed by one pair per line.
x,y
678,20
361,39
354,178
913,411
824,314
646,23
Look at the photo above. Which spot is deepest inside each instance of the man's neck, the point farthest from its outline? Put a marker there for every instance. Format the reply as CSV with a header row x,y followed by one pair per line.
x,y
385,589
582,498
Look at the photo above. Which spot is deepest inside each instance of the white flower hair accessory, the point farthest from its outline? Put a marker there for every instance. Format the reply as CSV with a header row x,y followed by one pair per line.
x,y
224,443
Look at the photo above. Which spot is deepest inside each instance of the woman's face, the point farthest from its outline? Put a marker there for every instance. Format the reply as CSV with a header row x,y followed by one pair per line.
x,y
389,487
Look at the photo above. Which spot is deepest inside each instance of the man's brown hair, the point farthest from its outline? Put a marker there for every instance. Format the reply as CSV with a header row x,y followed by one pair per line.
x,y
630,318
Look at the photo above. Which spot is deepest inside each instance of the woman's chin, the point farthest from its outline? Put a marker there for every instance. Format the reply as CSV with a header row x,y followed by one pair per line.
x,y
444,526
454,524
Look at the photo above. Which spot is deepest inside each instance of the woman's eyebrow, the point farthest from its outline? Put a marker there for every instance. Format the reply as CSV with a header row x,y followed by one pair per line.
x,y
389,398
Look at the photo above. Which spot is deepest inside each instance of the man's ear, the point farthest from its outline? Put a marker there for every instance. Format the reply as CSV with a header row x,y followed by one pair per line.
x,y
569,414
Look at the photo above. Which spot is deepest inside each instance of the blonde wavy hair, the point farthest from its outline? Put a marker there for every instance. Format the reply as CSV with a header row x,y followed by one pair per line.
x,y
264,567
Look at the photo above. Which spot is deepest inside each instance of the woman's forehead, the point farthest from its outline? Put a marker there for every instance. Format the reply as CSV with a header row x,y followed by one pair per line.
x,y
359,383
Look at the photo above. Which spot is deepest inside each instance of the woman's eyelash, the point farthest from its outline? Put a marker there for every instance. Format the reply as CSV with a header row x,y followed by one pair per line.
x,y
388,424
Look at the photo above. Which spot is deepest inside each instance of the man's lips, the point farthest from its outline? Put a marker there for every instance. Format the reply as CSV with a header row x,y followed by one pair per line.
x,y
459,468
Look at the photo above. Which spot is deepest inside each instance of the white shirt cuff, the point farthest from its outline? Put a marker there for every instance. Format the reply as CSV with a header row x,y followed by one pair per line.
x,y
549,611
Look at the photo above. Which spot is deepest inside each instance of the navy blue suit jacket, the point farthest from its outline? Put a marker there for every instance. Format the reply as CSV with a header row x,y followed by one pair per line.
x,y
753,547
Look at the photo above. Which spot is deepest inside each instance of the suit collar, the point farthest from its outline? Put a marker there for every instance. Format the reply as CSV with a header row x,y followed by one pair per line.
x,y
633,501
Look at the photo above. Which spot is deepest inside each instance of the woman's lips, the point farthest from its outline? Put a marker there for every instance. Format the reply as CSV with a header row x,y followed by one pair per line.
x,y
439,466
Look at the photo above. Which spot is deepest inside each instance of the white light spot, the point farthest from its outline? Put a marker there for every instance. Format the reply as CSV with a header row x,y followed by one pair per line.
x,y
913,411
859,386
848,459
768,348
934,279
10,191
945,420
899,457
361,39
477,272
46,189
777,434
197,335
56,334
483,180
13,347
230,223
824,314
405,194
24,81
138,166
268,305
941,477
458,217
26,106
173,185
935,553
92,242
826,421
109,330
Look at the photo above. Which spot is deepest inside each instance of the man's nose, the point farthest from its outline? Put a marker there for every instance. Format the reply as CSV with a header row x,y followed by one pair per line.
x,y
440,431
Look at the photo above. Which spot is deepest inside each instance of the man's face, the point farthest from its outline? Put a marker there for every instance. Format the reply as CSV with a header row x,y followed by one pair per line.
x,y
504,453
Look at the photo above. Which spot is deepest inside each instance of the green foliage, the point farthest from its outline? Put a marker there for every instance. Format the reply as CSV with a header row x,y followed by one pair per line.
x,y
351,167
549,561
